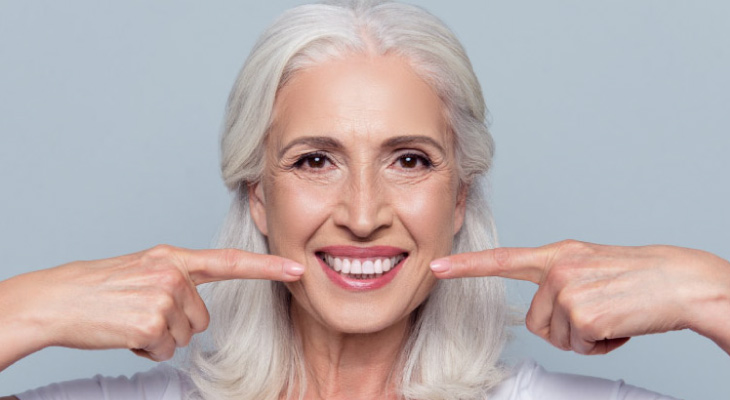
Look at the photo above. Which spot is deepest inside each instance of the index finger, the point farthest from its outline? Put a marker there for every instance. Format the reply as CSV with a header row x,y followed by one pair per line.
x,y
224,264
523,263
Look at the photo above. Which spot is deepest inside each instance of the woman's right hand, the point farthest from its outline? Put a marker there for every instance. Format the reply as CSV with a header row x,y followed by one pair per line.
x,y
146,301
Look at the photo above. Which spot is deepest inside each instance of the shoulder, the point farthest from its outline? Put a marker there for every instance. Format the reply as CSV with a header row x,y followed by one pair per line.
x,y
529,381
162,382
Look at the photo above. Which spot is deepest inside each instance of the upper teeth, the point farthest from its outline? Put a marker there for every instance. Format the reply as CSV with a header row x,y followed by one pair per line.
x,y
357,266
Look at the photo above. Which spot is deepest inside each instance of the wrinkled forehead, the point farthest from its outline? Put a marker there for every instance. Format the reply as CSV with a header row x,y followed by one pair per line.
x,y
360,97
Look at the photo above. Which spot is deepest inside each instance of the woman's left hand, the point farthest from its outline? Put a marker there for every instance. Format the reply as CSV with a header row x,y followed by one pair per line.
x,y
592,298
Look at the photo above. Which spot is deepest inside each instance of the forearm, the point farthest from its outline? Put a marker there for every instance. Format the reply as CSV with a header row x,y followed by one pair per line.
x,y
20,329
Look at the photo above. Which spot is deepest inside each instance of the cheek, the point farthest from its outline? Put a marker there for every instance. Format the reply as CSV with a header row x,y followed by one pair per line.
x,y
295,210
428,214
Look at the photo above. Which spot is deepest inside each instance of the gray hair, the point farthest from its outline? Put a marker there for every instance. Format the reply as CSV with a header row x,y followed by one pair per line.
x,y
250,351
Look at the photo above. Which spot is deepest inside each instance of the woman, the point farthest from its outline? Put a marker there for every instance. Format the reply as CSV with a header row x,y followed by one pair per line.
x,y
355,143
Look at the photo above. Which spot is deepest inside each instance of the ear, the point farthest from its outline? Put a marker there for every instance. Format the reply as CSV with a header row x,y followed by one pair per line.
x,y
257,206
460,210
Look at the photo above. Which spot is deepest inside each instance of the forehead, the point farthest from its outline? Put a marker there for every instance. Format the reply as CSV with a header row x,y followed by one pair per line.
x,y
359,97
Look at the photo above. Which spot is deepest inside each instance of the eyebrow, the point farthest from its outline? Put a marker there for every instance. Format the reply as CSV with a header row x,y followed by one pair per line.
x,y
314,141
328,142
414,139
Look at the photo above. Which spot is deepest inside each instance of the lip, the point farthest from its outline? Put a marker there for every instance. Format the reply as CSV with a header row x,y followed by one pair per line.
x,y
358,285
362,252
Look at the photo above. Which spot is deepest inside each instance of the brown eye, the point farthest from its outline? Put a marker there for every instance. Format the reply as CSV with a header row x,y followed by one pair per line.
x,y
408,162
313,161
316,161
411,161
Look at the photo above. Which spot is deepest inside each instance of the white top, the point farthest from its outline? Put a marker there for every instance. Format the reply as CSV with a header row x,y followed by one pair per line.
x,y
528,382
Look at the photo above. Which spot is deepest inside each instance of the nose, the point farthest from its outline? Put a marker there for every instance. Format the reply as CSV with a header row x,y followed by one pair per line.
x,y
363,208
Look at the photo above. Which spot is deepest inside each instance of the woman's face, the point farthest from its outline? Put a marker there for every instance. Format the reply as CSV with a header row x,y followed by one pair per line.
x,y
360,186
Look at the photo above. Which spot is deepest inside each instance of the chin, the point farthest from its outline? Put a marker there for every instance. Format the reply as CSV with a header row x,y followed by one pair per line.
x,y
365,322
357,313
361,303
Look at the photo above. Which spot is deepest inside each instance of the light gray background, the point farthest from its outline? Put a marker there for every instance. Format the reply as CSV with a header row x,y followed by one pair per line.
x,y
610,120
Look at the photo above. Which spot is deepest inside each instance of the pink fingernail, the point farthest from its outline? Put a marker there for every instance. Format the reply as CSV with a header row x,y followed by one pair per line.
x,y
293,268
441,265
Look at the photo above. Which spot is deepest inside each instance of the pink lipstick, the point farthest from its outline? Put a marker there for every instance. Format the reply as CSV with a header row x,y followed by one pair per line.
x,y
361,268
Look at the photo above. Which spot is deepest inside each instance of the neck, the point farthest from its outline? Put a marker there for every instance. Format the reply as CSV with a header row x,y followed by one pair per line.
x,y
349,365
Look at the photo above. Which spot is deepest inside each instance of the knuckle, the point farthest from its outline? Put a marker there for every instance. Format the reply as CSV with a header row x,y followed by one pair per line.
x,y
162,304
566,300
158,257
171,278
582,348
530,324
145,332
154,327
562,343
229,258
168,354
581,321
202,323
467,265
534,324
571,244
502,257
183,341
163,354
561,275
577,248
161,251
135,343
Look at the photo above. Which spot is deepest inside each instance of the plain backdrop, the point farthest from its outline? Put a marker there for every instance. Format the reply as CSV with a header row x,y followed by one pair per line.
x,y
610,118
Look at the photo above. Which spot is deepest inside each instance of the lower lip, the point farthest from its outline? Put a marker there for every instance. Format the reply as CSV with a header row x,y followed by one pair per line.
x,y
359,285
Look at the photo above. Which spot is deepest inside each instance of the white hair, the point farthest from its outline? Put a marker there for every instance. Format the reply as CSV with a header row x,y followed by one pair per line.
x,y
250,350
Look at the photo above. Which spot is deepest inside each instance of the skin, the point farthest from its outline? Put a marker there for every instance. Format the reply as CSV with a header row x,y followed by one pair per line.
x,y
592,298
145,302
362,191
360,155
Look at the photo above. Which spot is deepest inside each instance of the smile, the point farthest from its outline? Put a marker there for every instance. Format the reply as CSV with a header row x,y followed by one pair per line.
x,y
358,268
361,268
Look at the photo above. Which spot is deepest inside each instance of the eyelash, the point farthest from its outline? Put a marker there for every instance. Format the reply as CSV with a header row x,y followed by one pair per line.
x,y
300,162
425,161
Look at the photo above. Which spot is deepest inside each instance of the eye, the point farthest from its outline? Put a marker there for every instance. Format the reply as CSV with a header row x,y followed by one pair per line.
x,y
312,161
413,161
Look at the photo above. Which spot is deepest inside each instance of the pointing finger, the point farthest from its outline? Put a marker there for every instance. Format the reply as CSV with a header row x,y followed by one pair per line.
x,y
223,264
523,263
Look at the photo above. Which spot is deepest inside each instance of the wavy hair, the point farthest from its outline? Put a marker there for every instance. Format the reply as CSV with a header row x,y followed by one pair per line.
x,y
250,350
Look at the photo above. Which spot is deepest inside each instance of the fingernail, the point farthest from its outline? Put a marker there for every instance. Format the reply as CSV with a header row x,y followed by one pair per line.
x,y
293,268
441,265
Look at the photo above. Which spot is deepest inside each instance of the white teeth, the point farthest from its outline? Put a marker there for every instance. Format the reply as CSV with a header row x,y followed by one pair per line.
x,y
356,267
368,268
338,265
362,269
386,265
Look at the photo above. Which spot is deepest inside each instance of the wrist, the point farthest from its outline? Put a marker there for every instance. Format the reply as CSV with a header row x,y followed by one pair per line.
x,y
21,328
717,324
711,312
